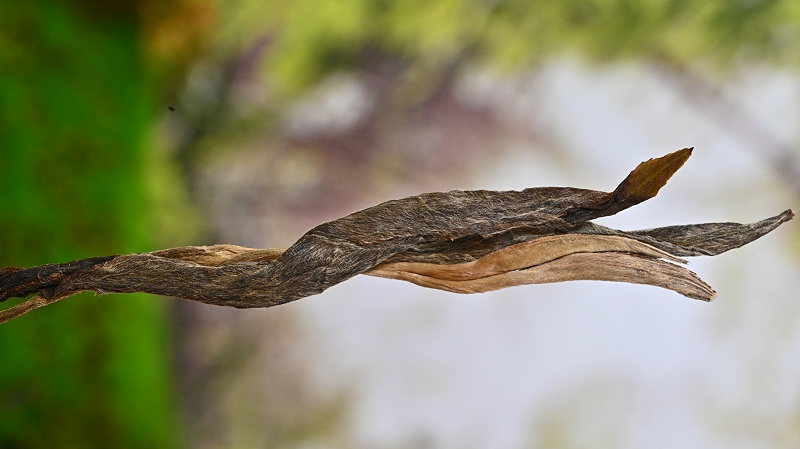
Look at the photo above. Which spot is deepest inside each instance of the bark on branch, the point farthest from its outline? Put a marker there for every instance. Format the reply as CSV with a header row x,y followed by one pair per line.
x,y
459,241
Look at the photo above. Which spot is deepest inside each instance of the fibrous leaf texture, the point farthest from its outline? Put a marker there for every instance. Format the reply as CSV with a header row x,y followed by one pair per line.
x,y
459,241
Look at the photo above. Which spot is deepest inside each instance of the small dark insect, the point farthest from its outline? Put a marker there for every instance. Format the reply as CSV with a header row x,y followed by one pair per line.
x,y
171,108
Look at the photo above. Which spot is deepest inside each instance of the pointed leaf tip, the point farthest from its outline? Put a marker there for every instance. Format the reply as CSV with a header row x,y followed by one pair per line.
x,y
649,177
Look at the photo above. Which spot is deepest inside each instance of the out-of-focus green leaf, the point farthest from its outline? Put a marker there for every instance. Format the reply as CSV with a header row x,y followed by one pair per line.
x,y
311,38
75,106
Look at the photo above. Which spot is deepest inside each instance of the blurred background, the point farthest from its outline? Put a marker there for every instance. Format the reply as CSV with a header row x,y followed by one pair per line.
x,y
130,126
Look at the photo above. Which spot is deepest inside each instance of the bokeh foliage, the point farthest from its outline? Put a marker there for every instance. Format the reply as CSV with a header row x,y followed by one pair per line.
x,y
75,107
77,98
312,38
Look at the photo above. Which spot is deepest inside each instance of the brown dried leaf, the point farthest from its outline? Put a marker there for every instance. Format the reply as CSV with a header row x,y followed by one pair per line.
x,y
465,241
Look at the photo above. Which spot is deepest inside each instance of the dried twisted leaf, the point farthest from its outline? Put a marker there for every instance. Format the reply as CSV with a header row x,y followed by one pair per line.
x,y
460,241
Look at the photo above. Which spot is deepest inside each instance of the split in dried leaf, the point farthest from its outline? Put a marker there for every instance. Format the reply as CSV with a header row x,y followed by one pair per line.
x,y
524,255
607,266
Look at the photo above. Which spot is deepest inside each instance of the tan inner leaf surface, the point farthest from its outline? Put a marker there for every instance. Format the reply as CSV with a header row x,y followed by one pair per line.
x,y
605,266
524,255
